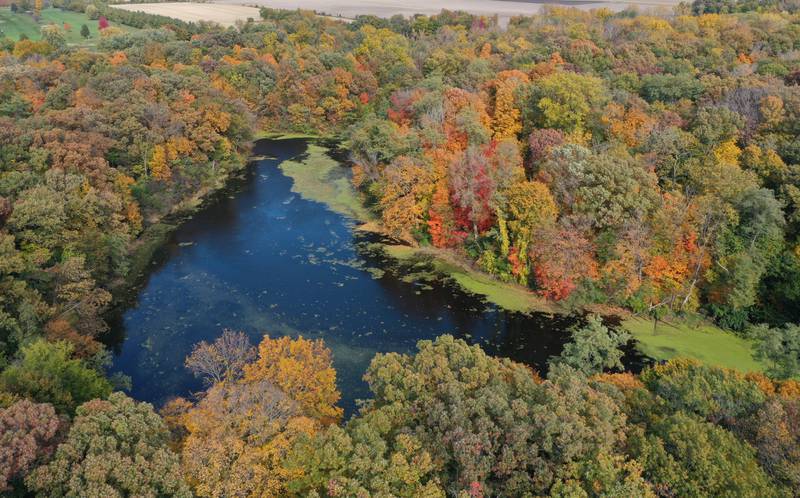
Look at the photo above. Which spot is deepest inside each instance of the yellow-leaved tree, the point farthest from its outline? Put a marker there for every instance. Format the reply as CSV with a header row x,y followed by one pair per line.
x,y
506,123
159,167
301,368
238,435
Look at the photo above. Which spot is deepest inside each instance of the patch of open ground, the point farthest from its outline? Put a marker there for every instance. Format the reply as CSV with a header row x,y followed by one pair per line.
x,y
504,9
224,14
13,25
227,12
705,343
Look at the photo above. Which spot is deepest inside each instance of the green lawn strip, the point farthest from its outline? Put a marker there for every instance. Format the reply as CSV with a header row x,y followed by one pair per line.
x,y
319,178
505,295
279,135
706,343
13,25
401,253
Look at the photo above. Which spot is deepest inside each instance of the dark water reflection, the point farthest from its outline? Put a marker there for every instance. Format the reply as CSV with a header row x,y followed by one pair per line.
x,y
263,260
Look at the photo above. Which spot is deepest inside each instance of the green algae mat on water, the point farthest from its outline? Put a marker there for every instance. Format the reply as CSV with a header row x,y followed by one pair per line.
x,y
320,178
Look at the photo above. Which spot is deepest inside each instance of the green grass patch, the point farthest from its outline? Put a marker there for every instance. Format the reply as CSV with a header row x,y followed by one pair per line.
x,y
279,135
706,343
13,25
507,296
319,178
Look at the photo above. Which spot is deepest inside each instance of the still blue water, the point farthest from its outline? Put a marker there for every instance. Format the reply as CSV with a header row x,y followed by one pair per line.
x,y
262,259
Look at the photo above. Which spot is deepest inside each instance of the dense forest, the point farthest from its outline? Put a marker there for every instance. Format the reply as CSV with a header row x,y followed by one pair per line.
x,y
649,163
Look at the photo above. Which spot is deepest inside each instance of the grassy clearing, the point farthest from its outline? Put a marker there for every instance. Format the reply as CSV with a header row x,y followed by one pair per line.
x,y
507,296
279,135
401,253
319,178
13,25
705,343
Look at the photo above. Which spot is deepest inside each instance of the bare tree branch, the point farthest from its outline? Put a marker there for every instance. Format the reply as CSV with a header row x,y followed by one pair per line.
x,y
224,359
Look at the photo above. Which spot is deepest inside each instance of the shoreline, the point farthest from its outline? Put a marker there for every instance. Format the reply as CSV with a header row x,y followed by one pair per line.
x,y
702,341
317,176
144,250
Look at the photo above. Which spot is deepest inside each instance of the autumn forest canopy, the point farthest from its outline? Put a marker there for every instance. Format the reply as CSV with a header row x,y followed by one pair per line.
x,y
647,164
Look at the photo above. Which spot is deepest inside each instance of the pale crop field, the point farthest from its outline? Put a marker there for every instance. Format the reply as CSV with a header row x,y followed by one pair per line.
x,y
227,12
226,15
504,9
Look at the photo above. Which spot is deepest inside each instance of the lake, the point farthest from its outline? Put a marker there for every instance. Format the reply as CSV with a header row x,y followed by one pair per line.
x,y
261,259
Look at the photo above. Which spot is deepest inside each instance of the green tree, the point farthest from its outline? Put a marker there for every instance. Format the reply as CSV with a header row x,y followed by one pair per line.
x,y
615,188
745,252
683,455
606,189
46,373
91,11
22,309
38,218
85,31
115,448
780,347
367,457
594,348
452,418
54,36
387,54
714,393
566,100
670,87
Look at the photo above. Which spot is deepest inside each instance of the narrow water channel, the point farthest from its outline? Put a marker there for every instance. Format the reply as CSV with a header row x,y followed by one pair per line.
x,y
264,260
